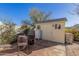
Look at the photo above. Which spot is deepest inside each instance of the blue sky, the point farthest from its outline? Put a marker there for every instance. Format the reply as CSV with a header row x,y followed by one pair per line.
x,y
17,12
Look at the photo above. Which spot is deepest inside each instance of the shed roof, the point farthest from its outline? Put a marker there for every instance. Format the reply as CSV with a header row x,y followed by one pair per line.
x,y
52,20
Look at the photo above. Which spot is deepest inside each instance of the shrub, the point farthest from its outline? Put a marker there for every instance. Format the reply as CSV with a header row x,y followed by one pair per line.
x,y
73,31
7,33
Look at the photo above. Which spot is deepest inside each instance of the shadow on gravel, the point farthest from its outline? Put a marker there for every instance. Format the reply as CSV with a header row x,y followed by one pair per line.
x,y
40,44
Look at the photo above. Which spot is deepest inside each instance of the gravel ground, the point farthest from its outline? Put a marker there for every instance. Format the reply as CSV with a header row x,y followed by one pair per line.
x,y
42,48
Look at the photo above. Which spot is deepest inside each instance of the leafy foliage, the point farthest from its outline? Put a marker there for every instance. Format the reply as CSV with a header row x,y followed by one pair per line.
x,y
24,27
7,32
75,32
37,15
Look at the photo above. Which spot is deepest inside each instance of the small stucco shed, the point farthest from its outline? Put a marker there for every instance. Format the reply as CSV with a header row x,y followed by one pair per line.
x,y
53,30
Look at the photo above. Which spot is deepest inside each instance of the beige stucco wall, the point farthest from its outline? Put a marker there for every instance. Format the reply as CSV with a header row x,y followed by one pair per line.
x,y
50,33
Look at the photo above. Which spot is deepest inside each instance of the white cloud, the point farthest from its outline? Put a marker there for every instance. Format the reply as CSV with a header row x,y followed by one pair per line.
x,y
1,23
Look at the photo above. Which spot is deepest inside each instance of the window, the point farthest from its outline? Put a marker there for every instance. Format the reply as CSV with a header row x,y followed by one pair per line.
x,y
57,26
38,26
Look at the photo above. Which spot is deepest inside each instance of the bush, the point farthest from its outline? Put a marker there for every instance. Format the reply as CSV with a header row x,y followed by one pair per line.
x,y
76,35
7,33
73,31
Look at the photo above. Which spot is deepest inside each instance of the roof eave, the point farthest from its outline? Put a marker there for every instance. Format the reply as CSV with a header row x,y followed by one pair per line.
x,y
61,19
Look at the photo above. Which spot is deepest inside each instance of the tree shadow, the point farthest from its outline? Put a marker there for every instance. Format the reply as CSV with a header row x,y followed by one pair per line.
x,y
7,51
40,44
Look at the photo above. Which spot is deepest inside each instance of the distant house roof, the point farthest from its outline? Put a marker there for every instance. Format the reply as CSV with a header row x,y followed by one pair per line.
x,y
52,20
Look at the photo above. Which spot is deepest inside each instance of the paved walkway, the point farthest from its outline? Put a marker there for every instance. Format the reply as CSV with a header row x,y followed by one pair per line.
x,y
72,50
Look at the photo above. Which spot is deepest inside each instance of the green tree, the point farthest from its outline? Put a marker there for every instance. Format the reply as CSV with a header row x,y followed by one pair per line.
x,y
37,15
8,32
